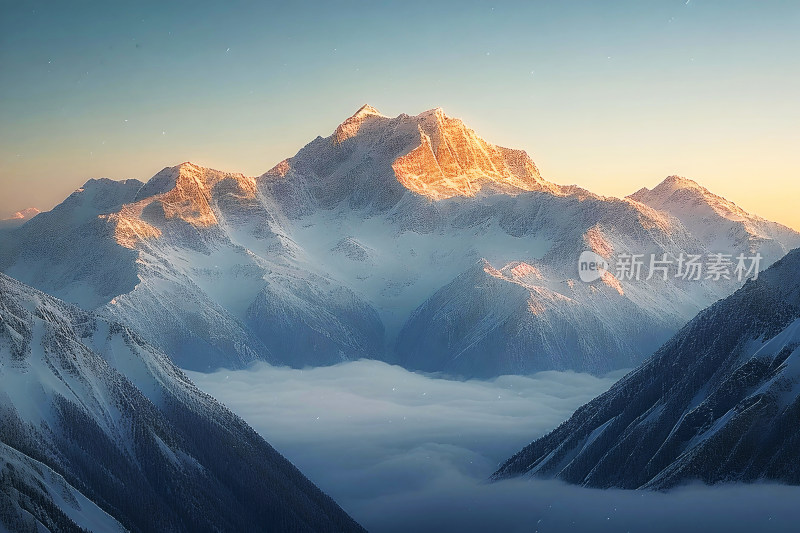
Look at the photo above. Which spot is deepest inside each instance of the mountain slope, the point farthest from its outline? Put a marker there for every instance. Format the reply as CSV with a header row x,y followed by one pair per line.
x,y
90,400
489,322
32,496
719,402
365,244
70,252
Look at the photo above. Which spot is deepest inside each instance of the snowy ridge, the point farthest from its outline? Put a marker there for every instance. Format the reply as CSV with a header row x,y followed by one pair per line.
x,y
89,401
718,222
718,402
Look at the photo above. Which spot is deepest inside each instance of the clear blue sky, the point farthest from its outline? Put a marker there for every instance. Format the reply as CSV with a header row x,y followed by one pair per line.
x,y
610,95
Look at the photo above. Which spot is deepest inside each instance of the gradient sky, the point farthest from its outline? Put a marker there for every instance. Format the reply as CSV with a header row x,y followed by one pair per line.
x,y
612,96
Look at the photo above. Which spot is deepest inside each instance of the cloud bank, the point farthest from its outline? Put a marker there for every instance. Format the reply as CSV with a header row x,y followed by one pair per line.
x,y
402,451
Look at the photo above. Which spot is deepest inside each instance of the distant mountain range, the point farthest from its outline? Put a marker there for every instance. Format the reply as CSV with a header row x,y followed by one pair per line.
x,y
99,430
19,218
719,402
406,239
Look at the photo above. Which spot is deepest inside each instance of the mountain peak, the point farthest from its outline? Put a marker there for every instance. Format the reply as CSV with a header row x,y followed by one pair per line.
x,y
677,188
25,214
187,165
184,192
430,154
668,185
183,175
714,219
679,181
350,127
365,110
436,111
674,183
19,218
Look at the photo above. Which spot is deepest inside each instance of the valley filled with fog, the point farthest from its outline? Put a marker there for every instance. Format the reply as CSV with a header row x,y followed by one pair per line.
x,y
402,451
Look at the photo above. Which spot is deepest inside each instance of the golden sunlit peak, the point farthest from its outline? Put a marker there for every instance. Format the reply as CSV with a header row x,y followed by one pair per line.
x,y
25,214
452,160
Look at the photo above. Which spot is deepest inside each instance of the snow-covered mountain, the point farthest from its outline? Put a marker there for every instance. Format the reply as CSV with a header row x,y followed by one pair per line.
x,y
719,402
408,239
717,222
98,429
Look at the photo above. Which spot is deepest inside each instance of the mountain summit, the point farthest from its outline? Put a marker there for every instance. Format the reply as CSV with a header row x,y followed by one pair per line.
x,y
350,127
675,189
430,154
716,221
367,109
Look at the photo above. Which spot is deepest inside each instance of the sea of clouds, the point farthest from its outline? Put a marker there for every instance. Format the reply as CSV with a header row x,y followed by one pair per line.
x,y
402,451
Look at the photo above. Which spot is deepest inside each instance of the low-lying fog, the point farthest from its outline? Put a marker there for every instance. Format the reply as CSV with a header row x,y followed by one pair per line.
x,y
402,452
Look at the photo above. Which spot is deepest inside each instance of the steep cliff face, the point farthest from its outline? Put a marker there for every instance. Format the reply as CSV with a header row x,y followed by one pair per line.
x,y
452,160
